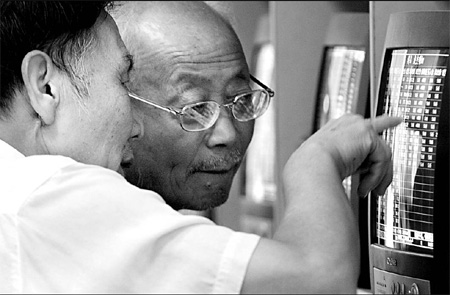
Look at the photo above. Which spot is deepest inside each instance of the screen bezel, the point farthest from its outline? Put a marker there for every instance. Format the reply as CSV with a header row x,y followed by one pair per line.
x,y
441,171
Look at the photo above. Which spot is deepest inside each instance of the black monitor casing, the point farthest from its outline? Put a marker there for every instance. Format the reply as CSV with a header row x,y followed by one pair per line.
x,y
406,268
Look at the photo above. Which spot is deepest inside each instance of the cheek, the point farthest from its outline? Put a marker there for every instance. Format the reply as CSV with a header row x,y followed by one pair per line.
x,y
124,113
117,128
246,133
171,148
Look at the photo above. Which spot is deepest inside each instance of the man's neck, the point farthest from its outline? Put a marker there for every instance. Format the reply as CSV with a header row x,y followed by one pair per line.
x,y
20,129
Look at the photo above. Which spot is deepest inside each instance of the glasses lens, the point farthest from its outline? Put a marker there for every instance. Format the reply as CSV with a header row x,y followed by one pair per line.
x,y
251,105
199,116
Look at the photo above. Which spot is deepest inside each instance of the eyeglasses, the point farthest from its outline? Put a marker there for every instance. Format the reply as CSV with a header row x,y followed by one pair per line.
x,y
202,115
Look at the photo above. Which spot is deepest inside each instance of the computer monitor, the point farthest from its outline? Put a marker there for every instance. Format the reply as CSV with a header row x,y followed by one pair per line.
x,y
344,74
409,224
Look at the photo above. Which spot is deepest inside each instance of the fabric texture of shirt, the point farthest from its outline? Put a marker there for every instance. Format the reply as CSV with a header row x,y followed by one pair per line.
x,y
67,227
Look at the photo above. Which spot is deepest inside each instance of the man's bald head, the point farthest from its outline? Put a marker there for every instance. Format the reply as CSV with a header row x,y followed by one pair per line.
x,y
169,21
161,31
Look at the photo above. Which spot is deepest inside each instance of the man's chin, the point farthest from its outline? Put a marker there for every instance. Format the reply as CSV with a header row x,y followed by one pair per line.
x,y
201,201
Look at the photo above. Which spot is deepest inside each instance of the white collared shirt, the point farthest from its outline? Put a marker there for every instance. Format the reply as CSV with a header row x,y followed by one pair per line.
x,y
67,227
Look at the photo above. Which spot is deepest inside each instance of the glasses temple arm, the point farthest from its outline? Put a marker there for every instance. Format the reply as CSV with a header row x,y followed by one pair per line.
x,y
152,103
270,91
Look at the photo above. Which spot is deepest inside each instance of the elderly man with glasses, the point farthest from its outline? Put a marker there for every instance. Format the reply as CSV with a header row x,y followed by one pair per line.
x,y
192,89
191,86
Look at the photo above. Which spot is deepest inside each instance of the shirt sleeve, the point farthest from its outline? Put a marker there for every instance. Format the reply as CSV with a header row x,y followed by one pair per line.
x,y
87,230
234,263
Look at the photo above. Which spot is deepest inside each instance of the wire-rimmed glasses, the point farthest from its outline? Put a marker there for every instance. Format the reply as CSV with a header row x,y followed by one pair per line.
x,y
202,115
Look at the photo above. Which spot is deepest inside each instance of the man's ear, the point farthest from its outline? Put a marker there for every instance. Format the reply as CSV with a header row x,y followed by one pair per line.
x,y
39,75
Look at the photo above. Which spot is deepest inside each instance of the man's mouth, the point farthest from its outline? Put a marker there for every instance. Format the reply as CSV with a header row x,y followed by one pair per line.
x,y
126,164
217,170
219,165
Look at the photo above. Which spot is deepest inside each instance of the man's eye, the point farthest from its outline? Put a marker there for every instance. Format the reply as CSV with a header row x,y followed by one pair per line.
x,y
191,97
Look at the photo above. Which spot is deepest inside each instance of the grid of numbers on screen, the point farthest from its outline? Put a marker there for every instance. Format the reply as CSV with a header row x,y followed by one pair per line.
x,y
350,76
414,90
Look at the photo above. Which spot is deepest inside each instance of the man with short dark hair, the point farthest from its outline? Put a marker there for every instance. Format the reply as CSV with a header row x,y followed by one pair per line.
x,y
62,103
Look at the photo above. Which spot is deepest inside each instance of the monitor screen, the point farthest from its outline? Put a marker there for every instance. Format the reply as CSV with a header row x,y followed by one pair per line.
x,y
412,87
339,87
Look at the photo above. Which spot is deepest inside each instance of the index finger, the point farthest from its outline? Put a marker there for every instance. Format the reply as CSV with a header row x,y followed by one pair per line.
x,y
383,122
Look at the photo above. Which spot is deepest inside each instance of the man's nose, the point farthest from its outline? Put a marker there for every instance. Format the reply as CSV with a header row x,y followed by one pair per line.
x,y
223,132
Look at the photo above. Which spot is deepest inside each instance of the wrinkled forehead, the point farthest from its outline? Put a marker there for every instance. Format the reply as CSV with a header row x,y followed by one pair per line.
x,y
188,25
174,36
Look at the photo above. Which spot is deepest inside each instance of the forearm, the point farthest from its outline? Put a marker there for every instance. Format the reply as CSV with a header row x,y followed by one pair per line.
x,y
318,221
315,248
